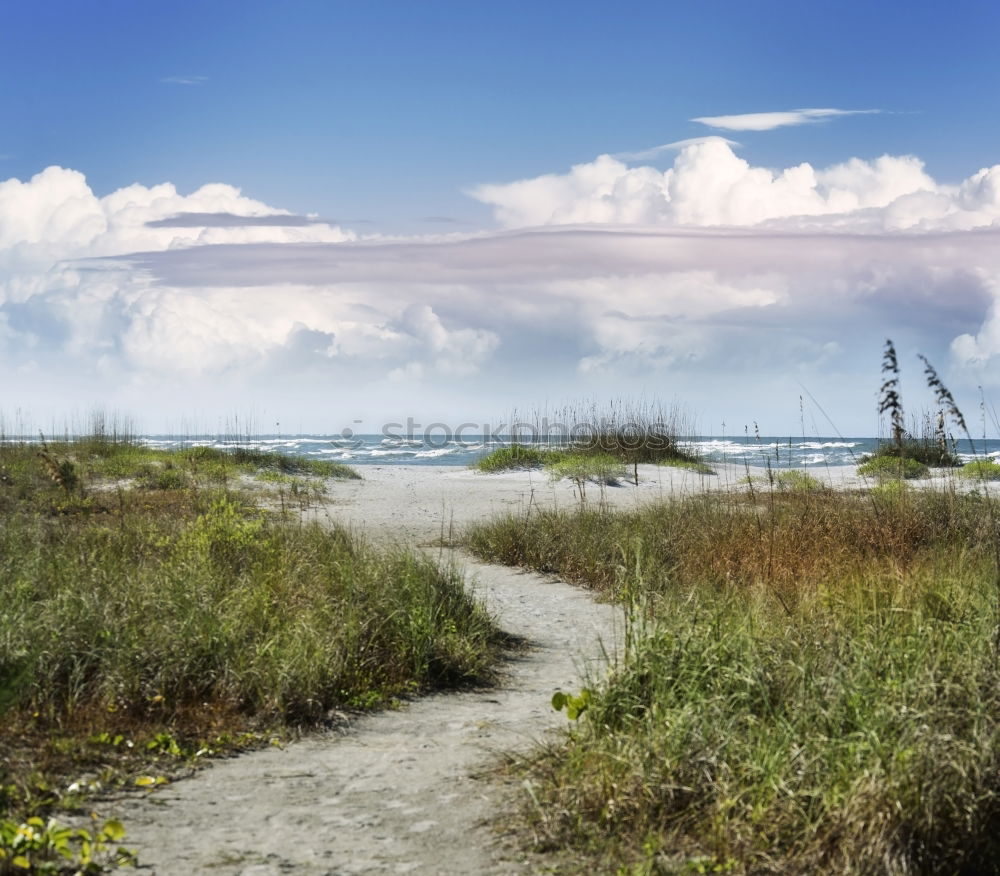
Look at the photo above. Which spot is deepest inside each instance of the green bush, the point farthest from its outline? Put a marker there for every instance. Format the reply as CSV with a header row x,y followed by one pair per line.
x,y
514,456
886,467
981,469
167,478
796,480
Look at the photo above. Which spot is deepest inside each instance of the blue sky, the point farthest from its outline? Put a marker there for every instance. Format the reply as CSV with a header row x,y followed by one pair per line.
x,y
388,111
491,224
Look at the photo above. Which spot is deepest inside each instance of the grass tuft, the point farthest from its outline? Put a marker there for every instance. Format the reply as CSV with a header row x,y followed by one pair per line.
x,y
981,469
514,456
893,468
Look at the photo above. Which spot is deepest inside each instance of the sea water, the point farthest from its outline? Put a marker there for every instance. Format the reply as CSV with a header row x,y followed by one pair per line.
x,y
778,452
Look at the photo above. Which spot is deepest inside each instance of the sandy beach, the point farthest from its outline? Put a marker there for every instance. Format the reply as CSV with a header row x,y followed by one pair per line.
x,y
417,504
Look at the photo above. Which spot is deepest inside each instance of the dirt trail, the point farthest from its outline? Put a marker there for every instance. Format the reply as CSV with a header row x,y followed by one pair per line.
x,y
394,792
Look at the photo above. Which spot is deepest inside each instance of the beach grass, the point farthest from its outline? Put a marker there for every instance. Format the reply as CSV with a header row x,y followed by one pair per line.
x,y
515,456
893,468
627,433
931,447
980,469
810,684
154,613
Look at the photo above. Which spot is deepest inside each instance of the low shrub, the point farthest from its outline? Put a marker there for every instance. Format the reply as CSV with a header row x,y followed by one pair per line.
x,y
981,469
514,456
892,467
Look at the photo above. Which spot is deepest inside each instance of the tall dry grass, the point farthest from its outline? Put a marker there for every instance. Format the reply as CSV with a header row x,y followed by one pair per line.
x,y
810,685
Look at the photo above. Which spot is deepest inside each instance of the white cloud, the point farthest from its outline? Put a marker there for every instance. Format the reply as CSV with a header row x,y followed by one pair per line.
x,y
978,350
458,352
184,80
772,120
657,151
708,184
55,215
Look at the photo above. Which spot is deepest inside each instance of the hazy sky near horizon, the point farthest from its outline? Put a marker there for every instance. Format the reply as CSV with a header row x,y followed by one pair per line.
x,y
318,212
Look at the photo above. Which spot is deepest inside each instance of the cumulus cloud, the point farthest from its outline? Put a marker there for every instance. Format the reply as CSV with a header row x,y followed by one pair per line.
x,y
613,300
978,350
709,184
452,353
56,216
772,120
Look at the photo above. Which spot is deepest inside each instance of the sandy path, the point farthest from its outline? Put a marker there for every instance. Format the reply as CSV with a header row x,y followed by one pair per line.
x,y
394,792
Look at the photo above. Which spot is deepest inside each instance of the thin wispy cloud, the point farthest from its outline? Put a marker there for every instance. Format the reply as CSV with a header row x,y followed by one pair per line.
x,y
655,152
184,80
772,120
231,220
442,220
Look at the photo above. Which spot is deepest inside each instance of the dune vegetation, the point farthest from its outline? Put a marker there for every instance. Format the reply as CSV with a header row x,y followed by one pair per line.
x,y
600,444
160,607
811,684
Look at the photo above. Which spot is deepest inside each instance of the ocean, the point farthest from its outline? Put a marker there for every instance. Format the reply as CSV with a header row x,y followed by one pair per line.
x,y
787,452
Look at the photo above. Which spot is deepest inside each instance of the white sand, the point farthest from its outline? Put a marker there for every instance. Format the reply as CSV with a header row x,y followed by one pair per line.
x,y
420,503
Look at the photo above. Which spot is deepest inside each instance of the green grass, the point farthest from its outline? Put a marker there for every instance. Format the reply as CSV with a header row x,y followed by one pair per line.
x,y
578,463
229,605
96,459
146,626
695,465
512,457
521,456
633,433
810,684
892,467
792,480
636,444
796,480
601,468
981,469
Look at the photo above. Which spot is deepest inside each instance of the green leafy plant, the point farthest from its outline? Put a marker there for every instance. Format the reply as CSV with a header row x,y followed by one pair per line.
x,y
574,704
39,846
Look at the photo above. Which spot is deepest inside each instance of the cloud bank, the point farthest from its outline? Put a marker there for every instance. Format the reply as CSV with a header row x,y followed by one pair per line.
x,y
709,184
722,284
